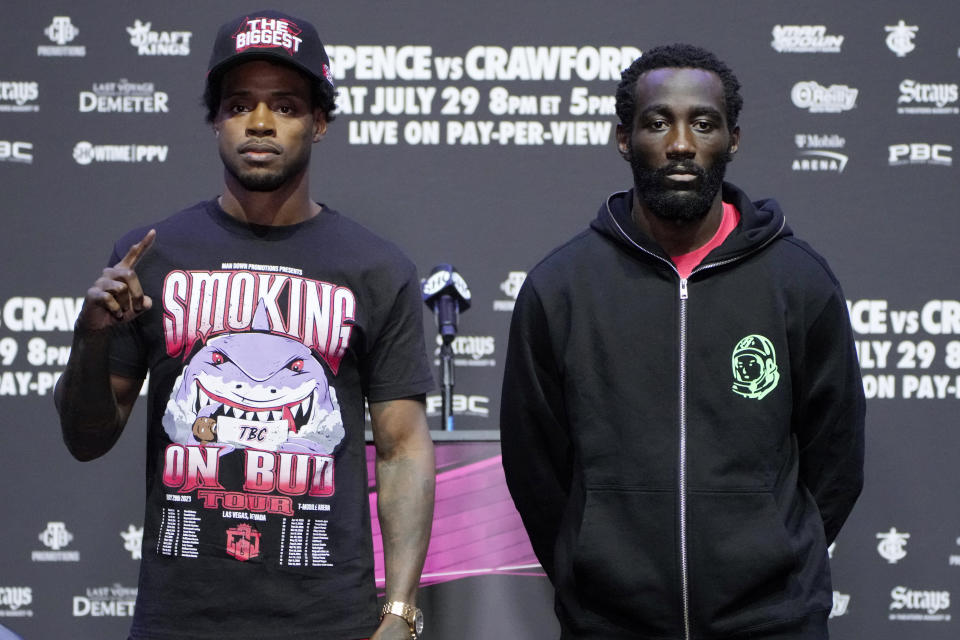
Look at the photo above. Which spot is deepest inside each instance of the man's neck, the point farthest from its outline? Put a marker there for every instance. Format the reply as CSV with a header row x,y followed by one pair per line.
x,y
677,237
290,204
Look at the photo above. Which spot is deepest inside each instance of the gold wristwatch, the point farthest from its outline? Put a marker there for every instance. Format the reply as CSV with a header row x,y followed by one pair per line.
x,y
412,616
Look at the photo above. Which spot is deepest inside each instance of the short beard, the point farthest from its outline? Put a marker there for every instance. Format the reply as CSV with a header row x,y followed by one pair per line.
x,y
679,205
265,181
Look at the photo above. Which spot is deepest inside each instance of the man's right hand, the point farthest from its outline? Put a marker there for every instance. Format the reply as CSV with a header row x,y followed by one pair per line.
x,y
116,297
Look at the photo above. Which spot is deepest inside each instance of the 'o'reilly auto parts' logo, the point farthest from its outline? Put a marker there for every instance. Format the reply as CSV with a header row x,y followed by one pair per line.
x,y
816,98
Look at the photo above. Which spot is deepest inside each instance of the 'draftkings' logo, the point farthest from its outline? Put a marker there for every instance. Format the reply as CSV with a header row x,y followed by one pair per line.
x,y
754,363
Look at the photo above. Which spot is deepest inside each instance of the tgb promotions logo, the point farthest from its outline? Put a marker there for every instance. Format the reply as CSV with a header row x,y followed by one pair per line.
x,y
891,546
61,31
510,287
123,97
919,605
818,153
920,153
928,98
56,538
900,38
15,602
85,152
792,38
19,97
816,98
158,43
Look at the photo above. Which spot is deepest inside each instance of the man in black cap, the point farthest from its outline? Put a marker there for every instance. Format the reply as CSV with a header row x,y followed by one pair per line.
x,y
265,321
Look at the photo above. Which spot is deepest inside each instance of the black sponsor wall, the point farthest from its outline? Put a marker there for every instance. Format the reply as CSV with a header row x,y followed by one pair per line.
x,y
484,137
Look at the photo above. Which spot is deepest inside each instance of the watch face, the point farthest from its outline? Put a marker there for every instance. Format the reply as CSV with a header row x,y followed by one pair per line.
x,y
418,622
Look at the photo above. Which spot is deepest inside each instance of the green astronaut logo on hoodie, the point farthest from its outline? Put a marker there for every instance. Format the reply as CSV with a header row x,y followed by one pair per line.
x,y
755,372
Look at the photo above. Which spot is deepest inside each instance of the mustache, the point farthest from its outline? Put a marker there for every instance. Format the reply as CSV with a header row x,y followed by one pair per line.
x,y
682,167
259,146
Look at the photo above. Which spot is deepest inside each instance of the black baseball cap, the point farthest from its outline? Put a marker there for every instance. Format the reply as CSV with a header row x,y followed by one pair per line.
x,y
270,35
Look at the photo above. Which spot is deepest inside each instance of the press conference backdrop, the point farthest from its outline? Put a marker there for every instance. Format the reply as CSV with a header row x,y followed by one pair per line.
x,y
482,134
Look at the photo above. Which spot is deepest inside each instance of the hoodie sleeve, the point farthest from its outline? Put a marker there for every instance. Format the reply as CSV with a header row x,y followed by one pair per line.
x,y
533,427
831,410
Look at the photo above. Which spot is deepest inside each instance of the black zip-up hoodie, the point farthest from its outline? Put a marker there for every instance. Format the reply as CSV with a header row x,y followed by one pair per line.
x,y
683,451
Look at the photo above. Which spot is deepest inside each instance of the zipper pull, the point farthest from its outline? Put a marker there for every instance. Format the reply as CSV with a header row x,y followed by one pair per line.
x,y
683,288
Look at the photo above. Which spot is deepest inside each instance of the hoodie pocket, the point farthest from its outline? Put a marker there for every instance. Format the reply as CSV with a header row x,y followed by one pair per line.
x,y
625,563
741,560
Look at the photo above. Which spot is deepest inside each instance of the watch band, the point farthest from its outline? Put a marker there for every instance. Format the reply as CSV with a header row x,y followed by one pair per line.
x,y
410,614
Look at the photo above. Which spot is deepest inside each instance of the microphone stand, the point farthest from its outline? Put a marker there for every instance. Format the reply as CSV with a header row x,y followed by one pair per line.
x,y
446,374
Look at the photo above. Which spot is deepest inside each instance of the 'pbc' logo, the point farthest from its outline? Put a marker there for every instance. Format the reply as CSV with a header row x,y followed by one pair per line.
x,y
243,542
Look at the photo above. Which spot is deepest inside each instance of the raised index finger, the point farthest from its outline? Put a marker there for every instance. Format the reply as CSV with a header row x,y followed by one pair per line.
x,y
136,252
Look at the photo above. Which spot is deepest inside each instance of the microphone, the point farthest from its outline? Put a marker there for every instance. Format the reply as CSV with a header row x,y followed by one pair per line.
x,y
447,294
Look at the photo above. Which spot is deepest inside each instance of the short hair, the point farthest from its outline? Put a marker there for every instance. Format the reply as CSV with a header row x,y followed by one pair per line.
x,y
322,93
678,56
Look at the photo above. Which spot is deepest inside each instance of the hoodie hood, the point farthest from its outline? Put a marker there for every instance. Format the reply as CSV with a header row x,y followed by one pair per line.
x,y
760,223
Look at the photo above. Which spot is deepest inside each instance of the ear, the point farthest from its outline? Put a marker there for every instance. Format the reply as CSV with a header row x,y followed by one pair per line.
x,y
734,140
623,142
319,125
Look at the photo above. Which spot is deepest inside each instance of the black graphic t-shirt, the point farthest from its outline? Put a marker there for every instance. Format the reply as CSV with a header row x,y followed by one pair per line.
x,y
261,345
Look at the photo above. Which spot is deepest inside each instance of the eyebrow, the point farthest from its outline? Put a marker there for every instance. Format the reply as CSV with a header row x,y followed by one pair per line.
x,y
273,94
703,110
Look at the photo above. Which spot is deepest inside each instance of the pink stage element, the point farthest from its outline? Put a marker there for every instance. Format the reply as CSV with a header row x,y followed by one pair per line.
x,y
476,529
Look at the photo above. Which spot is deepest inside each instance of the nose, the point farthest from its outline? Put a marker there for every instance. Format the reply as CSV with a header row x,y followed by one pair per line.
x,y
681,143
260,121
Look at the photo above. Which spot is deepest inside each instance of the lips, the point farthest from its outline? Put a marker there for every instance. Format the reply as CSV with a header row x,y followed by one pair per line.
x,y
682,173
259,149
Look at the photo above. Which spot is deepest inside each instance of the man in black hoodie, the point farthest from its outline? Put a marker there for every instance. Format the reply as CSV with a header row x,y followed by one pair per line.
x,y
682,412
